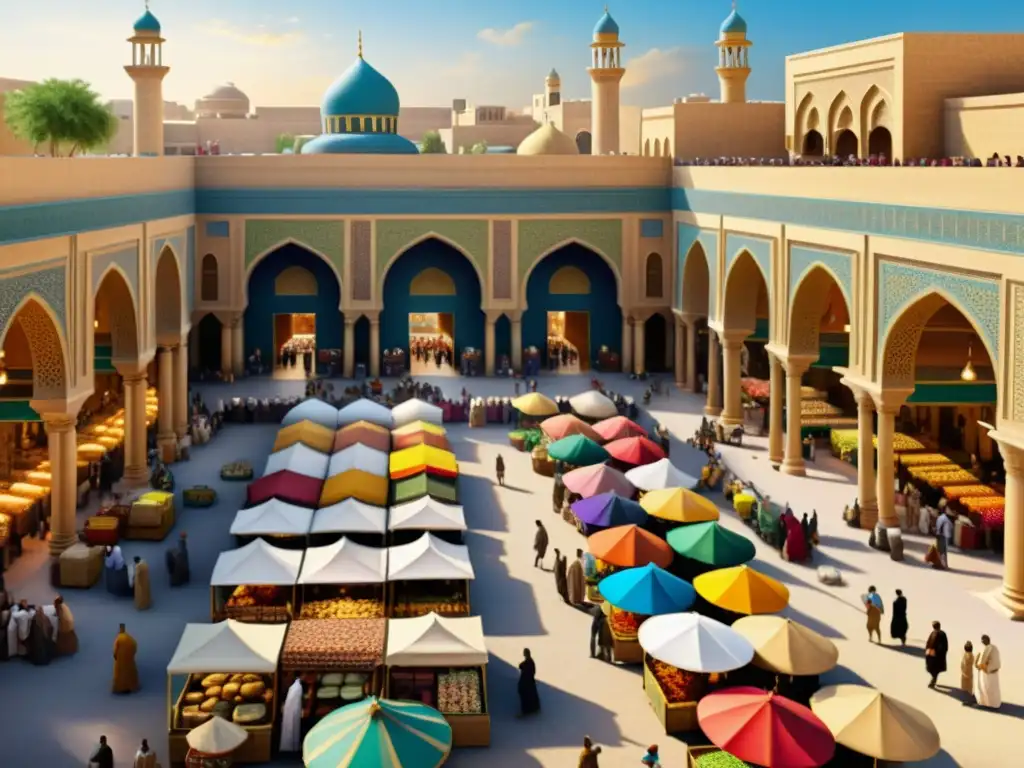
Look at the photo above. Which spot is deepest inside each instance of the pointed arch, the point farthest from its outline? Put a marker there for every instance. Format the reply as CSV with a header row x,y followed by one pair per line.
x,y
47,346
696,281
842,119
209,286
808,303
278,246
875,110
668,148
116,314
168,297
559,246
745,287
654,280
657,147
802,117
647,147
442,239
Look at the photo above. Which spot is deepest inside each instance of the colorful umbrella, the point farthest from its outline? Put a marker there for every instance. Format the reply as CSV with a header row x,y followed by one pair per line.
x,y
608,510
787,648
695,643
535,404
635,450
423,458
598,478
678,505
565,424
628,546
649,591
618,428
765,728
660,474
577,450
869,722
711,544
593,405
377,733
742,590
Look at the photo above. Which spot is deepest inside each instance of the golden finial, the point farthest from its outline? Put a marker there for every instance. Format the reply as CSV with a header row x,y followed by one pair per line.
x,y
360,43
374,708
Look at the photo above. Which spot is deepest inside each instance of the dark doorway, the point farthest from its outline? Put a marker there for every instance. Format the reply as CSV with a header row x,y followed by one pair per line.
x,y
880,142
503,342
361,340
209,338
584,142
846,144
814,144
655,342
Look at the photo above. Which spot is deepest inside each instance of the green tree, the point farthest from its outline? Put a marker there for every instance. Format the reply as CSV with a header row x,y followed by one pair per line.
x,y
284,141
64,115
480,148
432,144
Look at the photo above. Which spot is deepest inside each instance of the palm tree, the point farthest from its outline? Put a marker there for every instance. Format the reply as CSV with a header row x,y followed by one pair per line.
x,y
64,115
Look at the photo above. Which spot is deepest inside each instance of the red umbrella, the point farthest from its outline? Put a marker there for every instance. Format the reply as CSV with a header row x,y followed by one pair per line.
x,y
765,729
635,450
618,427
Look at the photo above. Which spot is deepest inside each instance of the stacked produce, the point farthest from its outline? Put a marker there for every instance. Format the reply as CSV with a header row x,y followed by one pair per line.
x,y
459,693
719,759
845,441
967,491
258,603
242,699
924,459
991,509
922,472
624,624
756,389
420,605
947,476
678,685
343,608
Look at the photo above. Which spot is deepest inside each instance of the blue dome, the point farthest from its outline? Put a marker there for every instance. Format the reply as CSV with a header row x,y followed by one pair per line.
x,y
361,90
733,24
606,25
360,144
147,22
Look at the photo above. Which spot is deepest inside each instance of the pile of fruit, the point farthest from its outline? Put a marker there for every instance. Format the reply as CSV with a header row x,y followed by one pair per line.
x,y
965,491
844,443
719,759
921,473
945,477
5,528
458,692
342,608
756,389
624,624
678,685
818,408
250,596
991,508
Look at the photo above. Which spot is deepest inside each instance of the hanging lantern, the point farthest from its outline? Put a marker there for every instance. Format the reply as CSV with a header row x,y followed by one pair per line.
x,y
968,373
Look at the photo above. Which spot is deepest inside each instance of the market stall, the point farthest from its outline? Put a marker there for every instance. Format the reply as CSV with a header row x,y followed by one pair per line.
x,y
429,576
788,656
577,450
213,743
593,405
282,524
625,546
300,460
358,458
228,669
423,484
660,475
343,580
366,410
363,523
597,479
19,510
442,662
420,433
671,507
607,510
406,522
286,486
619,428
355,484
533,408
565,425
362,433
740,591
707,546
315,410
629,452
255,583
308,433
416,410
423,459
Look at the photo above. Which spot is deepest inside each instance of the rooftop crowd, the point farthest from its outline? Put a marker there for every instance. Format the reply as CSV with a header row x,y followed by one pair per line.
x,y
871,161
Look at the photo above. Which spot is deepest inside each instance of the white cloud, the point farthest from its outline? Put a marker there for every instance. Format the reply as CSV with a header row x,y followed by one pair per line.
x,y
219,28
506,37
653,65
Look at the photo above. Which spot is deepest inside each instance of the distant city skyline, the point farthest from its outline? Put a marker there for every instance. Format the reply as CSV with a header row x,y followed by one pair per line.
x,y
288,53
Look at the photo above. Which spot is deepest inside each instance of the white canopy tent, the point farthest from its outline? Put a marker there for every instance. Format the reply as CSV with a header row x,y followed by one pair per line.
x,y
427,514
695,643
344,562
416,410
360,457
228,646
436,641
429,558
314,410
365,410
350,516
272,518
300,459
257,563
659,475
593,405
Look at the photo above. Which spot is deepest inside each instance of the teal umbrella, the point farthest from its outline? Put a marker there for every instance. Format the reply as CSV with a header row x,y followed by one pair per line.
x,y
577,450
711,544
378,733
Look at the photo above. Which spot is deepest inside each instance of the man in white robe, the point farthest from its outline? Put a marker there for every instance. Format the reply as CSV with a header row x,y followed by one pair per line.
x,y
989,695
291,719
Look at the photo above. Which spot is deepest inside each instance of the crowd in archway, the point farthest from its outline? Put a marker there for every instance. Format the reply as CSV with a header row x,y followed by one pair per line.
x,y
874,160
561,354
437,349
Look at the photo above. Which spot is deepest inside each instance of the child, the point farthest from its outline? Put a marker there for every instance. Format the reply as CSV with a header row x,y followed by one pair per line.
x,y
651,758
967,672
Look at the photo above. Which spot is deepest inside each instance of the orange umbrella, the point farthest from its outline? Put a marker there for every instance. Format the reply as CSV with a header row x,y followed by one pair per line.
x,y
628,546
565,425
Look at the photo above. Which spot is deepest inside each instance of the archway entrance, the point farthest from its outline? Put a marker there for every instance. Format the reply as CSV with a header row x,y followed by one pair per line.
x,y
655,343
745,325
577,282
292,315
694,298
432,298
880,142
814,144
846,144
208,337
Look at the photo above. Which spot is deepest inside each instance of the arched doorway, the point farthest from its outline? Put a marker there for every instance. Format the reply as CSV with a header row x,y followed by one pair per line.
x,y
209,289
293,304
502,340
584,142
814,144
572,300
846,144
655,343
653,276
745,311
115,329
694,301
880,142
208,337
819,328
33,355
432,308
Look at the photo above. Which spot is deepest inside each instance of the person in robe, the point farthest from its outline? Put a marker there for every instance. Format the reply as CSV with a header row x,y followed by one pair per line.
x,y
126,673
943,537
561,579
596,622
499,469
540,545
989,695
935,651
143,598
588,756
577,584
115,572
145,757
102,756
874,608
814,528
41,646
67,639
967,664
291,718
898,625
529,698
177,562
794,549
782,530
557,493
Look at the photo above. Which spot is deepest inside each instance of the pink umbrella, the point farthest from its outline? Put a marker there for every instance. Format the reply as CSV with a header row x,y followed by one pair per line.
x,y
566,425
618,427
596,479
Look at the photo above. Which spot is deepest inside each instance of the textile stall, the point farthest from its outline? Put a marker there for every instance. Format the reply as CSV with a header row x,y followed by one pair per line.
x,y
429,575
255,583
308,433
314,410
286,486
420,433
424,484
362,433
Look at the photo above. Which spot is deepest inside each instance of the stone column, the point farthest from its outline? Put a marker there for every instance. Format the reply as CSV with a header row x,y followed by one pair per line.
x,y
639,346
181,404
867,490
1012,592
136,466
691,355
375,346
679,355
732,415
776,424
61,444
886,467
166,440
627,346
517,344
714,406
489,347
349,351
226,358
793,463
238,348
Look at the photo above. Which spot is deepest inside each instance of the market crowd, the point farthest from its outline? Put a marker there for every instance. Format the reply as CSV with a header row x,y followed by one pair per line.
x,y
874,160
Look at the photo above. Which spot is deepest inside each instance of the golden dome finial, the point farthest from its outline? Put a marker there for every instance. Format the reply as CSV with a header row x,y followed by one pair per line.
x,y
374,708
360,43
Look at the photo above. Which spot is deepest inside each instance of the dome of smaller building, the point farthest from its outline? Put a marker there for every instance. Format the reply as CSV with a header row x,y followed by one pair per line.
x,y
606,25
734,24
359,144
553,75
147,22
361,90
548,140
227,92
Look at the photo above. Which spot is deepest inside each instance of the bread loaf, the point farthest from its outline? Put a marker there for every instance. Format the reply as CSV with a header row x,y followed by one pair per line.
x,y
250,678
253,690
237,679
208,705
213,692
212,680
268,697
195,698
230,690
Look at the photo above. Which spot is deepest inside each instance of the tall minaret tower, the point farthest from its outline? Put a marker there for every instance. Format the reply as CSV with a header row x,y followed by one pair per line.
x,y
605,72
733,60
148,71
552,89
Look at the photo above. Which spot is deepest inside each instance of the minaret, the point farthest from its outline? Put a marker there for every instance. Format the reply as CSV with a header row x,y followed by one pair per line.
x,y
148,71
552,89
733,61
605,73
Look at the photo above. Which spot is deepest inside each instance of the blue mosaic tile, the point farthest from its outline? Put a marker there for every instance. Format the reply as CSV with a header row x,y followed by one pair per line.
x,y
758,247
127,260
651,228
48,284
802,259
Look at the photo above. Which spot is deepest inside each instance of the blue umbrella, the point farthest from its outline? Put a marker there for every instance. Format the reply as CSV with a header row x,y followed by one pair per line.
x,y
607,510
649,591
378,733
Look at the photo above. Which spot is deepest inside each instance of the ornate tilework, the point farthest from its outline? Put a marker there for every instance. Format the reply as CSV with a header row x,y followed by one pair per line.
x,y
324,236
49,374
501,258
687,236
395,236
127,260
541,236
758,247
362,260
1017,372
802,258
48,284
190,271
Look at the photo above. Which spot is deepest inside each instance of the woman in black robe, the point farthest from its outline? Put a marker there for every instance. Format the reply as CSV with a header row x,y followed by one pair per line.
x,y
898,626
935,651
40,643
529,699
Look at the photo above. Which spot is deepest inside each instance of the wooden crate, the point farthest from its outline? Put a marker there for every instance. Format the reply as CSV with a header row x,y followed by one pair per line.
x,y
695,752
626,650
675,717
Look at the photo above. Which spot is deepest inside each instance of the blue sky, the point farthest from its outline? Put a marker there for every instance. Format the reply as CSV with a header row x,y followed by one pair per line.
x,y
287,52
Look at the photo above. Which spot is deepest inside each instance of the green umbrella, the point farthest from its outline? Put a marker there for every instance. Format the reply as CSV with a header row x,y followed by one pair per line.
x,y
711,544
577,450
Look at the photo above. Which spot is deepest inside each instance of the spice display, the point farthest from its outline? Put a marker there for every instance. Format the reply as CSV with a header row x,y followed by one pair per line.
x,y
941,479
249,596
929,469
818,408
458,692
968,491
719,759
624,624
678,685
924,459
992,509
333,644
844,443
342,608
756,389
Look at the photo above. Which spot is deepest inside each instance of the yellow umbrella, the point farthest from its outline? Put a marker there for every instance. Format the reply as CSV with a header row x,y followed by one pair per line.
x,y
355,484
535,404
679,505
423,458
786,647
869,722
742,590
420,426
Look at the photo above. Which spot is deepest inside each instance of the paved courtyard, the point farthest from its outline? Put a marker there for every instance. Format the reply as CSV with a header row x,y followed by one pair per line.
x,y
54,714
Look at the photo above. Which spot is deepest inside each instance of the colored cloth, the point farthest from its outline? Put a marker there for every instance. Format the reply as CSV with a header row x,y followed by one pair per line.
x,y
143,598
561,578
795,548
898,625
40,644
291,719
989,694
126,674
